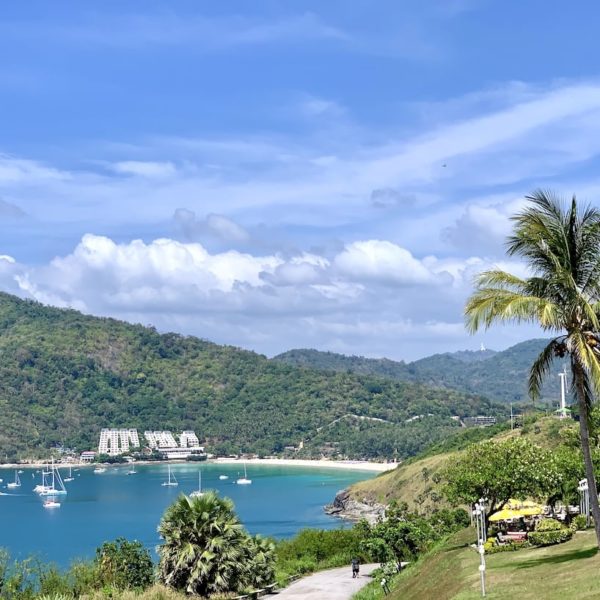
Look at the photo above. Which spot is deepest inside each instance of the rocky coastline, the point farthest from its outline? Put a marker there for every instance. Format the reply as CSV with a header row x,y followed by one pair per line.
x,y
346,507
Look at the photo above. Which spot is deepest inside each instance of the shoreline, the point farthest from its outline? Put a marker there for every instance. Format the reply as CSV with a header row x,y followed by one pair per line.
x,y
349,465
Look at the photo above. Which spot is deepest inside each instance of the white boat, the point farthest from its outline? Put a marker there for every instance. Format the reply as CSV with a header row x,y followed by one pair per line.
x,y
51,504
42,487
172,481
198,493
70,477
131,471
244,480
56,487
223,477
99,469
16,483
20,471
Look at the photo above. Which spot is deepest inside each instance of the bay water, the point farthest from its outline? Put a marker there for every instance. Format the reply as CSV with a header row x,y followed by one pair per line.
x,y
101,507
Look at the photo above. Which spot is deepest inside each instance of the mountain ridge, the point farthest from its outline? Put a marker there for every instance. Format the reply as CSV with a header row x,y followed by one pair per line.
x,y
498,375
65,375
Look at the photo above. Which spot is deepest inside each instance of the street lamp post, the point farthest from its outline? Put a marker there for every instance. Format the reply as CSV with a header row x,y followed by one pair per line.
x,y
479,513
584,500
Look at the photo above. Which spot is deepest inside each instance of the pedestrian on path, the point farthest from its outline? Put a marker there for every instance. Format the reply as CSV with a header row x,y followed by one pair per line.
x,y
355,567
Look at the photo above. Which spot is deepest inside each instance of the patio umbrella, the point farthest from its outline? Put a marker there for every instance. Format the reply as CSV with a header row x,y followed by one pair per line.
x,y
505,514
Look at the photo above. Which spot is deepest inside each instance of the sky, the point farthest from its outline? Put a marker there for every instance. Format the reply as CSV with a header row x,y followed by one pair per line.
x,y
287,174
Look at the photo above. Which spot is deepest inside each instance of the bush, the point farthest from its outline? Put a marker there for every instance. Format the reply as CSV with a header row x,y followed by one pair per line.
x,y
580,522
124,565
491,548
550,532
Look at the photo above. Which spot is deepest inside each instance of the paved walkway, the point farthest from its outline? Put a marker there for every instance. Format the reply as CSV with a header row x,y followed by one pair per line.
x,y
334,584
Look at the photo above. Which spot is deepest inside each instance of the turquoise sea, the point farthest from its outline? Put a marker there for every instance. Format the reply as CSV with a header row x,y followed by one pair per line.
x,y
100,507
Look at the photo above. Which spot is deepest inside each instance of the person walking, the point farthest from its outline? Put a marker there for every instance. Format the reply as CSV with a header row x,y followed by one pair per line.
x,y
355,567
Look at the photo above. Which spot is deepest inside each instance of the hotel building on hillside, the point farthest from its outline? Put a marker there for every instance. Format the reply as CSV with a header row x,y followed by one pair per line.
x,y
118,441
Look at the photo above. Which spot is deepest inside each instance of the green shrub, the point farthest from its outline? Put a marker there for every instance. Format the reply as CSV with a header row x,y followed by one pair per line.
x,y
580,522
124,565
548,525
549,532
509,547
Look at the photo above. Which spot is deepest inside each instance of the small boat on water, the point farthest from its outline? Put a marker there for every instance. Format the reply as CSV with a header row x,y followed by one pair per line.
x,y
16,483
51,504
171,481
244,480
223,477
20,471
56,487
198,493
131,471
100,470
70,477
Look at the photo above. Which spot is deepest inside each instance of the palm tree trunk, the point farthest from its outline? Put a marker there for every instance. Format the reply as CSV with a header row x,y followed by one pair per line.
x,y
584,432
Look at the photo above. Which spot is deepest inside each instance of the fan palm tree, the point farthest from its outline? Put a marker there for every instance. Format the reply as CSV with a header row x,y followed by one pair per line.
x,y
205,549
561,247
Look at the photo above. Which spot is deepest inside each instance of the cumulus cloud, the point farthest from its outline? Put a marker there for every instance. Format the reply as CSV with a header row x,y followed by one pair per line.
x,y
382,261
364,295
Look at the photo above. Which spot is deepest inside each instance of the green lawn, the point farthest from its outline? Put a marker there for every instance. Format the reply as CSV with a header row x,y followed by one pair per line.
x,y
565,571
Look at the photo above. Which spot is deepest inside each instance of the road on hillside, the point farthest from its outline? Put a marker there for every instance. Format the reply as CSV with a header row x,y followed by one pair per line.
x,y
334,584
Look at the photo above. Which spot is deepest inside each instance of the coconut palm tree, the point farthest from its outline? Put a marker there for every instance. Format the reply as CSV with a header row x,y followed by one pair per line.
x,y
560,244
205,549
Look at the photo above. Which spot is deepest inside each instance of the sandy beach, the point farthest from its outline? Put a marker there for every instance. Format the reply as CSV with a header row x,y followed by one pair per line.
x,y
355,465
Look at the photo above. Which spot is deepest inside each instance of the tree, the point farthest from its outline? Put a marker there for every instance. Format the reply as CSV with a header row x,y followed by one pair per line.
x,y
207,551
561,248
124,564
499,471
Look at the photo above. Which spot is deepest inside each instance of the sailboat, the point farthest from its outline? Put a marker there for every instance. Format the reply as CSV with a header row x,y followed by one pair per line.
x,y
172,481
244,480
99,470
132,471
223,477
51,504
43,487
16,483
197,493
70,477
52,489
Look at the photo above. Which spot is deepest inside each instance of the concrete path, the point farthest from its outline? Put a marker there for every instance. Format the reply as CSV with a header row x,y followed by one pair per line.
x,y
334,584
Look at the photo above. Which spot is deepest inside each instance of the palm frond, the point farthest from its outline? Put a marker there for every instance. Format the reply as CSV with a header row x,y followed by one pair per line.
x,y
540,368
496,305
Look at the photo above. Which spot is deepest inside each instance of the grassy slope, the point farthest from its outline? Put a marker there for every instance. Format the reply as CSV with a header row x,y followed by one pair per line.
x,y
415,481
553,573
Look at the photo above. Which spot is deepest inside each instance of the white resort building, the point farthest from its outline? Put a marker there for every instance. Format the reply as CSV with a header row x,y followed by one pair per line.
x,y
165,443
118,441
158,440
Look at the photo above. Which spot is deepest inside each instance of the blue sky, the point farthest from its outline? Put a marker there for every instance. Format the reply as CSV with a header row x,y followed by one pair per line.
x,y
286,174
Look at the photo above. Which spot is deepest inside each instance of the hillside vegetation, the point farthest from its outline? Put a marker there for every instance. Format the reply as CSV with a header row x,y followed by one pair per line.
x,y
501,376
64,376
417,482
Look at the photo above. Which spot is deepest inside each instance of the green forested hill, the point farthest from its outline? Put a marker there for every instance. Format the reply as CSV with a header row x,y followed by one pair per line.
x,y
64,376
501,376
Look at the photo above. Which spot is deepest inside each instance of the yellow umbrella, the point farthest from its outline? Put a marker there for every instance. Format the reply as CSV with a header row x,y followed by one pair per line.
x,y
505,514
530,511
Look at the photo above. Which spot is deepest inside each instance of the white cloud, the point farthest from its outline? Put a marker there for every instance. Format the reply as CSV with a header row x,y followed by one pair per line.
x,y
145,168
382,261
349,298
